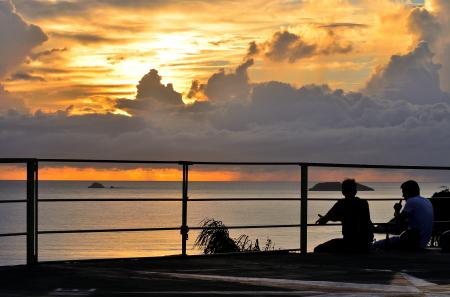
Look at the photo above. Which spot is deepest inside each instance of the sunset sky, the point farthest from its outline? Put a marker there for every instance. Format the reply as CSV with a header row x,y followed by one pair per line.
x,y
292,80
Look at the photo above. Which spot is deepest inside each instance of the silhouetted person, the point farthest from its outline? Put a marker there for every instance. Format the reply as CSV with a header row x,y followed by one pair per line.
x,y
357,228
417,215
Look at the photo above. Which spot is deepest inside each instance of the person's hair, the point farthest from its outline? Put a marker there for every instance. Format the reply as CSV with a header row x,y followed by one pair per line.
x,y
411,187
349,185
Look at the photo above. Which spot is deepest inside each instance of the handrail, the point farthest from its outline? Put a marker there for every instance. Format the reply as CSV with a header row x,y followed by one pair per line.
x,y
16,160
32,199
111,161
309,164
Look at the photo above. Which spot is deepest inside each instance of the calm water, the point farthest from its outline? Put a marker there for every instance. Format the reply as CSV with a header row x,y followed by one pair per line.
x,y
98,215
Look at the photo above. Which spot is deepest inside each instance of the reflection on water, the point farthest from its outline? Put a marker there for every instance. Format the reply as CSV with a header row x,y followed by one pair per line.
x,y
100,215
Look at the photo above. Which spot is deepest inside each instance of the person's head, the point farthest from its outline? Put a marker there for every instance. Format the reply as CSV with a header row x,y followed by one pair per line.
x,y
410,189
349,188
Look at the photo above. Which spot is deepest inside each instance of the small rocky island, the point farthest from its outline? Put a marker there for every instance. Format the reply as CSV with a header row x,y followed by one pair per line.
x,y
336,186
96,186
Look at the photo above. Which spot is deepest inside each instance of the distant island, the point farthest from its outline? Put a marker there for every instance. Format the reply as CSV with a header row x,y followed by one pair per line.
x,y
96,186
336,186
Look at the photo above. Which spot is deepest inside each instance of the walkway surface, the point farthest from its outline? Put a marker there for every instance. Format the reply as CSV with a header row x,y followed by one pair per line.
x,y
277,274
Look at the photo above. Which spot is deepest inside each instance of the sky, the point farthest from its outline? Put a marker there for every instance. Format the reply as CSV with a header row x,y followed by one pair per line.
x,y
345,81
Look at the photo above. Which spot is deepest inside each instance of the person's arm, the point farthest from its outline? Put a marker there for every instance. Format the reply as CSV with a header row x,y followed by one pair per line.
x,y
400,216
322,220
332,215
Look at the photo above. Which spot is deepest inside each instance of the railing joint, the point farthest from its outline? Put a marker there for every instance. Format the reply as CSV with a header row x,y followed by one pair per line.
x,y
184,231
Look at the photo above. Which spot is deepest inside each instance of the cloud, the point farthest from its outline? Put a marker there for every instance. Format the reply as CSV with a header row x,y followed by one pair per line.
x,y
46,53
288,46
284,46
279,122
25,76
433,26
413,77
17,38
269,121
85,38
9,102
344,26
224,86
197,91
400,115
425,25
45,9
151,94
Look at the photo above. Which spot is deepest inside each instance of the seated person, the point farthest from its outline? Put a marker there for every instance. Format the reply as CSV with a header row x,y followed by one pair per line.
x,y
418,216
357,228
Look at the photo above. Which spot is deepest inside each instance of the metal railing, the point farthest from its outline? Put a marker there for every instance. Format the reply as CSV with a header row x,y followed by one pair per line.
x,y
32,166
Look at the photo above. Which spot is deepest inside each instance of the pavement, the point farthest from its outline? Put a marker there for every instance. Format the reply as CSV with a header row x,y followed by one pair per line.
x,y
258,274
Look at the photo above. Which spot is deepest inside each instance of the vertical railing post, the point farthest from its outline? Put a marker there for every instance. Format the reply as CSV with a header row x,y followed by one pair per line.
x,y
304,209
184,227
31,212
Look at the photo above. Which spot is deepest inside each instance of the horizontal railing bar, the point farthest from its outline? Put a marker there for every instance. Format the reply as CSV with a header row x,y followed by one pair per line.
x,y
110,161
108,230
12,234
177,228
246,227
311,164
193,199
244,199
12,201
15,160
367,199
285,199
108,199
341,165
166,229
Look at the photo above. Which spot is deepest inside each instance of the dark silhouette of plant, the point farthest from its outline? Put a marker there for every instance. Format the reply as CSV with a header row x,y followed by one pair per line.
x,y
215,238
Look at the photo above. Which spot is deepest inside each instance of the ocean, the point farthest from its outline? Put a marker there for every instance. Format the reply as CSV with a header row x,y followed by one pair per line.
x,y
106,215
